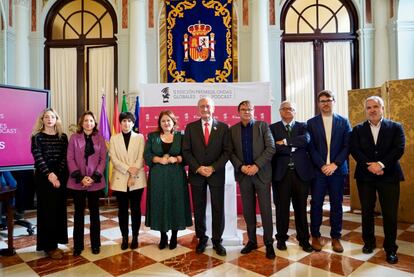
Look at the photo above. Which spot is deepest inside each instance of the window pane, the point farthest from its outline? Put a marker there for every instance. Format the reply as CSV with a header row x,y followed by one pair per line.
x,y
291,22
344,21
310,16
304,28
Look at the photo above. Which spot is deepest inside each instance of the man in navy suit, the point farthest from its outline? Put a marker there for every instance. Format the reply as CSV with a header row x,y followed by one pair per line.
x,y
377,145
253,147
329,149
292,175
206,150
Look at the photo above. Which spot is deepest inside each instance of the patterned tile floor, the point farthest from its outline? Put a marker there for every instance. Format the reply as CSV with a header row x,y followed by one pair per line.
x,y
148,260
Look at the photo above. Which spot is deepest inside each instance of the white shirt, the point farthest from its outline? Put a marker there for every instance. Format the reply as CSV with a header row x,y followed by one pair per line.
x,y
210,124
375,130
327,124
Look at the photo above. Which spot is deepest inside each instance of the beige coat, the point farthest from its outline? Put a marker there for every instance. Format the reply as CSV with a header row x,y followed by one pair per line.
x,y
123,159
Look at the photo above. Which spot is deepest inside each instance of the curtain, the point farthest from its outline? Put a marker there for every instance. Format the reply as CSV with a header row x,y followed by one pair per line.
x,y
337,63
63,84
101,79
300,78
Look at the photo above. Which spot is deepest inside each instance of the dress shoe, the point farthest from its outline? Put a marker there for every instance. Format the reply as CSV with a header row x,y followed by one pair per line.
x,y
306,246
96,250
270,252
220,250
163,241
368,249
392,257
249,247
134,242
201,246
337,246
281,245
76,252
124,244
316,244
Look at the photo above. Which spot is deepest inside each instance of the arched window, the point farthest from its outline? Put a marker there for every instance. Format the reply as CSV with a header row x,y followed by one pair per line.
x,y
319,51
80,56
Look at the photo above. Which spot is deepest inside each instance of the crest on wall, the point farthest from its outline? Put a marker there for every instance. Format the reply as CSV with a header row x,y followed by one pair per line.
x,y
200,43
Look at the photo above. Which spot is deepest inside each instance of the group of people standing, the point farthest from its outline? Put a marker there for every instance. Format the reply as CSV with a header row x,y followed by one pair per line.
x,y
289,156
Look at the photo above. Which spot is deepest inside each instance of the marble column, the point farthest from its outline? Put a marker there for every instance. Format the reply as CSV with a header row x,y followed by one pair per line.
x,y
137,45
381,47
22,50
260,40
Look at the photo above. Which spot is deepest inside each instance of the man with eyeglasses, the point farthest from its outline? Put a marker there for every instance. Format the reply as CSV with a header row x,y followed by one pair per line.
x,y
292,175
329,150
253,147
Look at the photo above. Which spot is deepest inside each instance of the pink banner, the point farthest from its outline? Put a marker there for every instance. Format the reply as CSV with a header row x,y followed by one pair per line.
x,y
185,114
19,109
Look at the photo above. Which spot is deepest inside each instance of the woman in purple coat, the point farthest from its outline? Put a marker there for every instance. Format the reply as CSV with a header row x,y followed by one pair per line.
x,y
86,163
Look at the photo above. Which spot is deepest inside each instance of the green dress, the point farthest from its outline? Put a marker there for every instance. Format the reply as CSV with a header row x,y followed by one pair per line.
x,y
168,202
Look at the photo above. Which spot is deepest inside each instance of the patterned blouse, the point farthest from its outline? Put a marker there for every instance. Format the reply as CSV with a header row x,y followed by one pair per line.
x,y
49,153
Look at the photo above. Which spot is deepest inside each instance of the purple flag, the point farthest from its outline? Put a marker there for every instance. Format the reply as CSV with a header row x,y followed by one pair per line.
x,y
104,129
136,125
106,133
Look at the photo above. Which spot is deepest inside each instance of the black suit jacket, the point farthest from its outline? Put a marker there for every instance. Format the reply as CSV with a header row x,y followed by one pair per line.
x,y
388,150
215,154
300,140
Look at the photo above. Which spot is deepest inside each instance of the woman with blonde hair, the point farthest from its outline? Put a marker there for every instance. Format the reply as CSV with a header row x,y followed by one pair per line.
x,y
86,164
49,147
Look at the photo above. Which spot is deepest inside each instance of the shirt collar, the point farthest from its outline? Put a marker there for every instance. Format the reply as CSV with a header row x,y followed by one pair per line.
x,y
291,124
376,126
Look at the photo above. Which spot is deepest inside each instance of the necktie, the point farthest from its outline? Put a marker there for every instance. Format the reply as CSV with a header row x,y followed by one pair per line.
x,y
206,133
289,130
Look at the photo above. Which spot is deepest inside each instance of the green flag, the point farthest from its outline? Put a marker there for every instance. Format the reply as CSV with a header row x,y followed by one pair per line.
x,y
124,104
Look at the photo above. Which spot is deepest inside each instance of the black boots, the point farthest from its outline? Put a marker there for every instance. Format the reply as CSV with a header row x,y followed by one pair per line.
x,y
163,240
173,240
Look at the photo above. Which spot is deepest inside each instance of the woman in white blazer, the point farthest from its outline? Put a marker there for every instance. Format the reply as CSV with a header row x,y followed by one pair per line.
x,y
126,151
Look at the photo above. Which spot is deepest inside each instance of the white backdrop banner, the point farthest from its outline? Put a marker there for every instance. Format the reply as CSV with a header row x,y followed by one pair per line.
x,y
181,99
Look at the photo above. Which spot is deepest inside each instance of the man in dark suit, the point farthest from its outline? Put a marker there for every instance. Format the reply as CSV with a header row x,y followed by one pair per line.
x,y
292,175
329,148
377,145
252,150
206,150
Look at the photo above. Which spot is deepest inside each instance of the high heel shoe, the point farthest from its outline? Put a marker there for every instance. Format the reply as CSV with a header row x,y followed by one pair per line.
x,y
163,240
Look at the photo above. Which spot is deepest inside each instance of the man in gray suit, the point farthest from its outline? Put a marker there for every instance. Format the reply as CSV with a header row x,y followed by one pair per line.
x,y
252,151
206,150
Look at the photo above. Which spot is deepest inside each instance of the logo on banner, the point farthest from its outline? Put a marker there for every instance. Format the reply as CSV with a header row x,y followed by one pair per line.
x,y
165,93
199,44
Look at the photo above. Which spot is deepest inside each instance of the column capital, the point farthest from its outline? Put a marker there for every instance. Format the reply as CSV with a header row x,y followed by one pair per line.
x,y
23,3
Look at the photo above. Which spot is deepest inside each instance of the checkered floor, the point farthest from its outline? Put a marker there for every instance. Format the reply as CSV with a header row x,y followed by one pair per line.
x,y
148,260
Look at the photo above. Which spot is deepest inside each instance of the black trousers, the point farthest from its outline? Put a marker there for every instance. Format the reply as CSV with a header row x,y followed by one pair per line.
x,y
131,199
79,200
389,196
199,197
291,187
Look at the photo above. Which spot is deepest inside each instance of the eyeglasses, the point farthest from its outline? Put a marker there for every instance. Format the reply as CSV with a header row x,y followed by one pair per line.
x,y
287,109
326,101
246,110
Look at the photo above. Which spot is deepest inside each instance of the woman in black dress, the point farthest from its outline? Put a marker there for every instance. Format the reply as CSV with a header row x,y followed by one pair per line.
x,y
49,147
